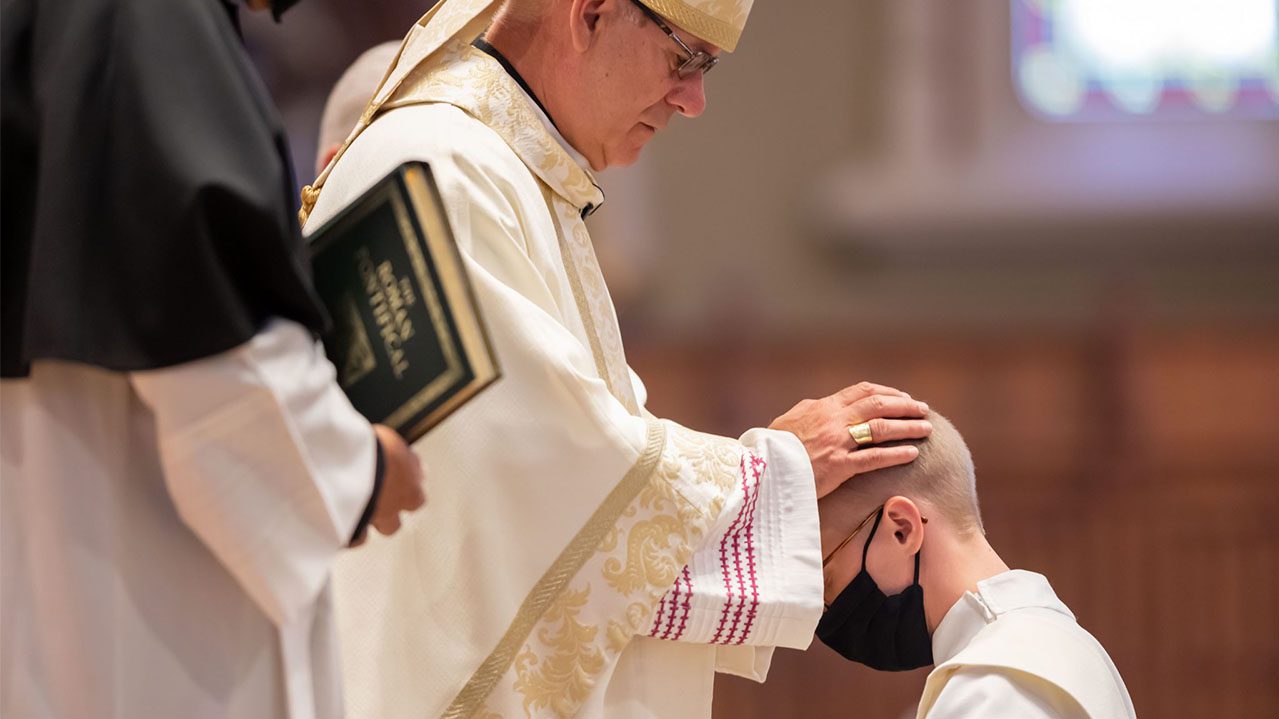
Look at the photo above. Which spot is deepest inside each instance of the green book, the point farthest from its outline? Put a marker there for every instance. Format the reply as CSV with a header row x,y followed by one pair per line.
x,y
407,338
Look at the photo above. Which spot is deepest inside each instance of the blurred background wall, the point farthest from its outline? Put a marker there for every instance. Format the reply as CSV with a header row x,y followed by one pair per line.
x,y
1091,294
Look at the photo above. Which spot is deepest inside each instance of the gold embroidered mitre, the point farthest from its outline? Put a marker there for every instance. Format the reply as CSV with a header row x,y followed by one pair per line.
x,y
719,22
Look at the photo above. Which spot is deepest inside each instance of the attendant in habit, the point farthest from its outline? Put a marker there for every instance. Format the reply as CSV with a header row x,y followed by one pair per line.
x,y
580,556
178,467
913,582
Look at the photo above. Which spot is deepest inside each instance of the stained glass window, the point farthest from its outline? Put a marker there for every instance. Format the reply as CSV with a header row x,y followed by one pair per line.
x,y
1111,59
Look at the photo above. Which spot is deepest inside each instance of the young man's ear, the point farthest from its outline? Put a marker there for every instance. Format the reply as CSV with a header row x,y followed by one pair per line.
x,y
906,522
584,22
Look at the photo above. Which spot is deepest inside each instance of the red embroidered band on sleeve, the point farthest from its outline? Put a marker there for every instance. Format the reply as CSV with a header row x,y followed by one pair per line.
x,y
738,539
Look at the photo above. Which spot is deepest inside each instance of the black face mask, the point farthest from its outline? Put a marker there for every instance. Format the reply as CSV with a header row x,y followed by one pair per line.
x,y
885,633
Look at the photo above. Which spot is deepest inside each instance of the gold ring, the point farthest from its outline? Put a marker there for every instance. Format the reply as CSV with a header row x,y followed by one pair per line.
x,y
861,433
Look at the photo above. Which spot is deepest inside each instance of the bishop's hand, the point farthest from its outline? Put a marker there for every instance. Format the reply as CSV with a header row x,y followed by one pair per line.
x,y
823,425
402,480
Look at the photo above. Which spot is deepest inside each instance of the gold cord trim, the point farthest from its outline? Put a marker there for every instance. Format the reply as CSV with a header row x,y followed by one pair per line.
x,y
552,583
706,27
588,319
445,21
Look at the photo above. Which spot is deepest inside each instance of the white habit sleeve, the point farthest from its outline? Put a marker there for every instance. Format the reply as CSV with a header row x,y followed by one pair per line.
x,y
266,461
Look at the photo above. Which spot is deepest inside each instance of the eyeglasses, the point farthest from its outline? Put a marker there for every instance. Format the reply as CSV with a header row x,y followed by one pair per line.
x,y
694,60
849,538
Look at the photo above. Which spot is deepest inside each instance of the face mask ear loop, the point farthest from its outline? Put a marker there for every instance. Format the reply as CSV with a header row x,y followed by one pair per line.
x,y
921,551
866,547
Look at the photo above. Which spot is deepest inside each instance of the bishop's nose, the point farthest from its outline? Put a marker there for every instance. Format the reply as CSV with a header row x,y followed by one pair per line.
x,y
688,96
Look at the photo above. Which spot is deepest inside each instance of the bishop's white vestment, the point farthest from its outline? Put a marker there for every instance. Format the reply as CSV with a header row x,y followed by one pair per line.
x,y
577,556
1013,649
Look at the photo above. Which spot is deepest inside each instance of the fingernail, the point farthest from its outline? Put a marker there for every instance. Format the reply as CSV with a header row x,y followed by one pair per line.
x,y
923,407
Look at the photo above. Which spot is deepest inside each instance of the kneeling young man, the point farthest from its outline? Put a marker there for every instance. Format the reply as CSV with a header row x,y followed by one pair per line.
x,y
914,582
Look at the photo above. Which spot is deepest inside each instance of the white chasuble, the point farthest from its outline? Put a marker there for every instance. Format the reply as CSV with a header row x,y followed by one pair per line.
x,y
577,556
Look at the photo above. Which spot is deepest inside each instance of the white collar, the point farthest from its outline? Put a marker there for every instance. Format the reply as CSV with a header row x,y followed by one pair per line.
x,y
995,596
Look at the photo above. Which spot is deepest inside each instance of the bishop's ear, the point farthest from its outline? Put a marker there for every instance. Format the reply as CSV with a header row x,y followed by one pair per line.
x,y
584,21
903,517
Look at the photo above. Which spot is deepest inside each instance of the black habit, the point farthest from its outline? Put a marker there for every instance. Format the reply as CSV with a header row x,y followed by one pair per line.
x,y
148,212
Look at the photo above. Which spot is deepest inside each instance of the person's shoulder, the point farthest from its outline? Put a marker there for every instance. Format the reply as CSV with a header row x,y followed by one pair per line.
x,y
1047,651
1036,630
983,691
441,135
471,164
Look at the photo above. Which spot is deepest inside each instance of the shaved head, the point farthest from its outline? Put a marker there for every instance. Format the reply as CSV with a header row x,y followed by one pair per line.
x,y
942,476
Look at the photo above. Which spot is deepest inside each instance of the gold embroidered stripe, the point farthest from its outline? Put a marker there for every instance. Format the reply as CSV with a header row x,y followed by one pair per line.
x,y
588,319
548,588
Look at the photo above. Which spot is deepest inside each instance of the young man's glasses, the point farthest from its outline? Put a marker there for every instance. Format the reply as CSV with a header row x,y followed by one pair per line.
x,y
694,60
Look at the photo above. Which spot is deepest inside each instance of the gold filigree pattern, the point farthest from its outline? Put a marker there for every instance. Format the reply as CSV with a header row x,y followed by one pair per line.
x,y
653,555
639,564
617,637
620,633
637,615
572,562
707,466
472,81
657,547
610,540
560,681
595,305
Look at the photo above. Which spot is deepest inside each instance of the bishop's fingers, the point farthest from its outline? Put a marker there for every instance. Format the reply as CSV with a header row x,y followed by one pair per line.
x,y
885,406
862,390
894,430
873,458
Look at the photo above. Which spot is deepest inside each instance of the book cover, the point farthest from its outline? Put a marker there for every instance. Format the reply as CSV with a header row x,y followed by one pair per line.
x,y
406,338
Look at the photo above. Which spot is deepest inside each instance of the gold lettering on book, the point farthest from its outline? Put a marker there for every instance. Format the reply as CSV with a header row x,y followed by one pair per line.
x,y
390,298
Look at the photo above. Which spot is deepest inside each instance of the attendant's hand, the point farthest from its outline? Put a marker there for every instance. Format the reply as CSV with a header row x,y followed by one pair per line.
x,y
823,426
402,479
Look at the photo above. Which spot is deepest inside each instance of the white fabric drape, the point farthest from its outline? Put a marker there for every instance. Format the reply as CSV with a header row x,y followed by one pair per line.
x,y
168,535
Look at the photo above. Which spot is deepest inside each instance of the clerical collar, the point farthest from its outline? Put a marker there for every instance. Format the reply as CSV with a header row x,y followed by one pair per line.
x,y
997,595
483,46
